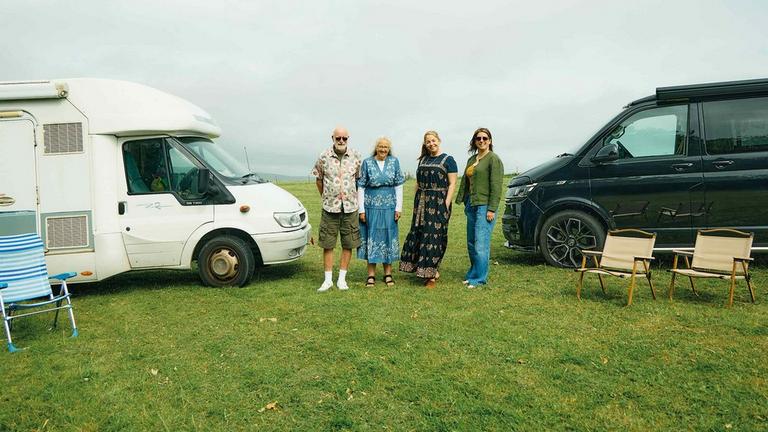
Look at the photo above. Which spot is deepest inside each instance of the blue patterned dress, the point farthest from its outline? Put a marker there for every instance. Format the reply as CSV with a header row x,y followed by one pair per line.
x,y
379,235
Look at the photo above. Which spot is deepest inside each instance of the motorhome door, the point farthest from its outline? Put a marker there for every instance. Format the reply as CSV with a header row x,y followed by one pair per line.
x,y
161,207
18,185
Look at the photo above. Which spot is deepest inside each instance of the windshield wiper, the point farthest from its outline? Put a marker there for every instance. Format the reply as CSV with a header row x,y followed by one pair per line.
x,y
255,177
564,154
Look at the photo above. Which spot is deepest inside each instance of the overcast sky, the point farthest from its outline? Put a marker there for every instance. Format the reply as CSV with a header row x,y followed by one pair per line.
x,y
277,76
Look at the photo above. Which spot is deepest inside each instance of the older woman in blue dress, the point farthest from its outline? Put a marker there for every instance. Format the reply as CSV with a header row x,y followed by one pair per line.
x,y
380,192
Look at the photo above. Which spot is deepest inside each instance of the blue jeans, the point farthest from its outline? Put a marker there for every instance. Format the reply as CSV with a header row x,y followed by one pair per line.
x,y
478,242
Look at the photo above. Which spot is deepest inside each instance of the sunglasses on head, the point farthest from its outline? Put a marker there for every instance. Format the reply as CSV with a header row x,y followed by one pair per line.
x,y
341,138
482,138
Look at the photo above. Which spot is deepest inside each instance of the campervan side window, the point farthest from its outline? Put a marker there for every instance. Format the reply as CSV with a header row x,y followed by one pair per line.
x,y
155,166
736,126
653,132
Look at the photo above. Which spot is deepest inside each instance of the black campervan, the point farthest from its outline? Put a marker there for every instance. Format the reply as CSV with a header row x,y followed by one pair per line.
x,y
687,158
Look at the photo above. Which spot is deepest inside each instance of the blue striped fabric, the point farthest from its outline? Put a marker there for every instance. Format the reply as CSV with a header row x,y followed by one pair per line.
x,y
22,267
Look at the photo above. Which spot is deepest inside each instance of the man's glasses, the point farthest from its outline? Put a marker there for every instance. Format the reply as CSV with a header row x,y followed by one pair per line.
x,y
482,138
340,138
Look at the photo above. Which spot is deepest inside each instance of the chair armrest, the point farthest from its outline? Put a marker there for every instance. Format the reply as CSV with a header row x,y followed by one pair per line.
x,y
591,253
3,285
63,276
743,259
682,252
643,258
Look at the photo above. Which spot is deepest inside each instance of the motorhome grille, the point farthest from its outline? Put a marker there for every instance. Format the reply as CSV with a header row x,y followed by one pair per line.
x,y
63,138
66,232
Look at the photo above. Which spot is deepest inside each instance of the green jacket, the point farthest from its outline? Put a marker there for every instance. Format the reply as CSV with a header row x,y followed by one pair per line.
x,y
485,185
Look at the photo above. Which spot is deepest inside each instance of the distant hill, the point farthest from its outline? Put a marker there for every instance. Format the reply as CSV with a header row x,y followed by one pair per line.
x,y
280,178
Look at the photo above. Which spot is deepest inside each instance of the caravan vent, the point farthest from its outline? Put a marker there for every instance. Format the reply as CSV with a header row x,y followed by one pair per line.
x,y
66,232
63,138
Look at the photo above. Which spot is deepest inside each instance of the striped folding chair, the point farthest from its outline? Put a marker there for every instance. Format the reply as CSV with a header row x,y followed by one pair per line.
x,y
24,278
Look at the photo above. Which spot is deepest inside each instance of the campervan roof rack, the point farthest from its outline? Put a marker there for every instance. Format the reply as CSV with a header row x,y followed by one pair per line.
x,y
21,90
727,88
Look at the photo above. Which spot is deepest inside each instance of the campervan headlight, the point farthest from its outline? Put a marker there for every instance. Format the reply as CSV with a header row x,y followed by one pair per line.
x,y
290,219
517,192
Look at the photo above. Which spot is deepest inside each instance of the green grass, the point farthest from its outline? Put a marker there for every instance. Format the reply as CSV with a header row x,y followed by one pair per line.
x,y
158,352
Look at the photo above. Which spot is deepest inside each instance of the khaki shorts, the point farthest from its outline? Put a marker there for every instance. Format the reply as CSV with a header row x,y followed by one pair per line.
x,y
334,224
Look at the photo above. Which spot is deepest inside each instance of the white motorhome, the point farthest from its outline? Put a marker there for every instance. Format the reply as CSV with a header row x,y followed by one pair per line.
x,y
117,176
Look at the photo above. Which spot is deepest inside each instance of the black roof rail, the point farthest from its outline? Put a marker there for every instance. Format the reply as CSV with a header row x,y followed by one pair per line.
x,y
725,88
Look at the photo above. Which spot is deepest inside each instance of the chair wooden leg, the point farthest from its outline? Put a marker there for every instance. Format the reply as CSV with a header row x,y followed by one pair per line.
x,y
599,276
733,285
672,283
693,286
648,276
749,281
581,276
632,284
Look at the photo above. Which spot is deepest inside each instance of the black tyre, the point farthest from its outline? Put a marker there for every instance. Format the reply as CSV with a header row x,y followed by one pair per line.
x,y
565,234
226,261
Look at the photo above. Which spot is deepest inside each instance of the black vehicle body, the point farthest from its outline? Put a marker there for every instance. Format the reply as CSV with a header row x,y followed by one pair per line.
x,y
693,157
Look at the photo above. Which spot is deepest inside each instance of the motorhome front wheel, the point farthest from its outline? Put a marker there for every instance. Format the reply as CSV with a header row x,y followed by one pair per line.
x,y
226,261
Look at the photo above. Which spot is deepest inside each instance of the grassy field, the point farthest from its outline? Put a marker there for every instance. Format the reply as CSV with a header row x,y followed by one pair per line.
x,y
158,352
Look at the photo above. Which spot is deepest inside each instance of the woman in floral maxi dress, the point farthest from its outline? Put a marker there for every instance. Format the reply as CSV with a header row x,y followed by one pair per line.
x,y
427,239
380,193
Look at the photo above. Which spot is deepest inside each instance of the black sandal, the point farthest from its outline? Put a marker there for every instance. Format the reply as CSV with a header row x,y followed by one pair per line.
x,y
389,280
370,282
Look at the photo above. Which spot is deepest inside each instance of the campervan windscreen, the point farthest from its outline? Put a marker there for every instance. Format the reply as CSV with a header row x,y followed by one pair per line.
x,y
217,159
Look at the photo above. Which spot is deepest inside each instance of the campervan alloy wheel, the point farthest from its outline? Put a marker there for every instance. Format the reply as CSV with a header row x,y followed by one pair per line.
x,y
565,234
226,261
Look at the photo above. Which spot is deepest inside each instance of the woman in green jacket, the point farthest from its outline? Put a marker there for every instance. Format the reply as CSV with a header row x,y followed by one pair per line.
x,y
480,191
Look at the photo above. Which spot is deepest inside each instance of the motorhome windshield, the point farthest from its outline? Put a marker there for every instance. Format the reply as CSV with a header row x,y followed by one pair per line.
x,y
217,159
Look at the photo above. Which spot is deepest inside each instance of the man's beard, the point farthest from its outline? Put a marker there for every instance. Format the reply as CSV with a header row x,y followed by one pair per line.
x,y
340,149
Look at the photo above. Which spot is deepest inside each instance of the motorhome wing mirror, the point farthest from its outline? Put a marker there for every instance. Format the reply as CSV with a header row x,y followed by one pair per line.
x,y
203,175
609,152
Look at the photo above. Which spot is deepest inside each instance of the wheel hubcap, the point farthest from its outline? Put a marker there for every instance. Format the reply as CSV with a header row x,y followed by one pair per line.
x,y
224,264
567,238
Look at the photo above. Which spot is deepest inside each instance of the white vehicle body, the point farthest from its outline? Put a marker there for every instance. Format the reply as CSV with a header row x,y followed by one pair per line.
x,y
75,168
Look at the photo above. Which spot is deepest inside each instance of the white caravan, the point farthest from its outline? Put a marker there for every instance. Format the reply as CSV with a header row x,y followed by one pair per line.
x,y
116,176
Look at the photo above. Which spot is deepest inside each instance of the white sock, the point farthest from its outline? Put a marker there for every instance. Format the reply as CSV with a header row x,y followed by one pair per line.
x,y
329,276
342,275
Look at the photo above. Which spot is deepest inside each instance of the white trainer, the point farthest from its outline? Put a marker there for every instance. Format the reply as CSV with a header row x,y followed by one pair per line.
x,y
342,285
325,286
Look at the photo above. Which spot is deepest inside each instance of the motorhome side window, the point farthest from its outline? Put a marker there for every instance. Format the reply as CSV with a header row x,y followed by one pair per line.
x,y
146,168
653,132
736,126
153,166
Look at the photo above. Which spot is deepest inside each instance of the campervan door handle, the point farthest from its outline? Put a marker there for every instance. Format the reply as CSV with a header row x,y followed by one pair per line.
x,y
121,207
720,164
682,166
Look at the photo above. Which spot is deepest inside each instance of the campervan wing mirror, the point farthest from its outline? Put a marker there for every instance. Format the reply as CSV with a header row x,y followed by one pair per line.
x,y
609,152
203,175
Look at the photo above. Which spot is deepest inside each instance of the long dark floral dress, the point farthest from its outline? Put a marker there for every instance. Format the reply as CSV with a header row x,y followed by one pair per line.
x,y
428,238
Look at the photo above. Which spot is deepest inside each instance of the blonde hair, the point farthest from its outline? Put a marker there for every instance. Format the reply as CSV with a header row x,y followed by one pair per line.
x,y
382,139
424,151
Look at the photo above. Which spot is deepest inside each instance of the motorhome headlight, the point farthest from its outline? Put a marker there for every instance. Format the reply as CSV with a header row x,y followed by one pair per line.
x,y
289,219
522,191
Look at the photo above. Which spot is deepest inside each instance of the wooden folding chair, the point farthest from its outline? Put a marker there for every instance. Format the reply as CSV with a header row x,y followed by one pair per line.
x,y
718,253
627,253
